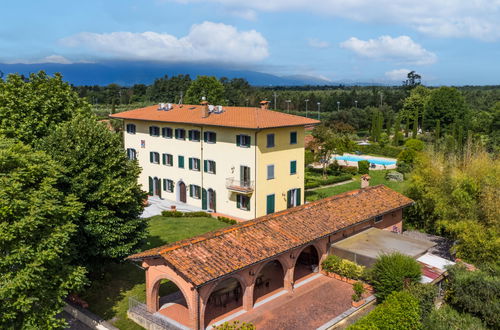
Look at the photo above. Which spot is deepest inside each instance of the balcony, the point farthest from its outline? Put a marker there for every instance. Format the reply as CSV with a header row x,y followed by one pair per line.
x,y
242,187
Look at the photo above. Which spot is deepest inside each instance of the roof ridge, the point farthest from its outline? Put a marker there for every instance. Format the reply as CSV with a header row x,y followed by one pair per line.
x,y
263,219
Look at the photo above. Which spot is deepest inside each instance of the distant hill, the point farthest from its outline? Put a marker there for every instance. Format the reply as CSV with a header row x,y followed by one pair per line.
x,y
130,73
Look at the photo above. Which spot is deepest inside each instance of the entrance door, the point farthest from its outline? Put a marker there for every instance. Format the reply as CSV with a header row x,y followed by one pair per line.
x,y
293,197
270,204
211,199
245,176
182,192
204,199
157,187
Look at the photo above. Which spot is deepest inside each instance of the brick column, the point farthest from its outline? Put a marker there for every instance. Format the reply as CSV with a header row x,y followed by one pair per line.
x,y
248,296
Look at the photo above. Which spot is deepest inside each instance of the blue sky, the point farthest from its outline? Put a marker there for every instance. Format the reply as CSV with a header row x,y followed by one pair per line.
x,y
447,41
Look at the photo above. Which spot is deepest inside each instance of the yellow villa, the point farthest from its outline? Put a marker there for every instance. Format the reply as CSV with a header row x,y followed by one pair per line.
x,y
244,162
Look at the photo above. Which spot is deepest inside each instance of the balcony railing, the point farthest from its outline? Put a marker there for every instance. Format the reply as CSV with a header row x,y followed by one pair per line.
x,y
244,187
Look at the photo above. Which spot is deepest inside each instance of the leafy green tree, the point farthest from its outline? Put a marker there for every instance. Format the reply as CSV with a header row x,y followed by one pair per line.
x,y
36,239
447,105
437,130
208,87
415,144
327,143
414,105
446,318
97,171
397,132
390,271
29,109
475,292
413,80
400,311
426,295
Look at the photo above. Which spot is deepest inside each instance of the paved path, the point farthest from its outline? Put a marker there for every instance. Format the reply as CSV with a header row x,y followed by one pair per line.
x,y
157,205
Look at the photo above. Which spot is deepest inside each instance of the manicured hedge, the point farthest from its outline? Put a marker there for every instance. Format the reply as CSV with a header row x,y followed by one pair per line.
x,y
400,311
227,220
363,167
313,182
342,267
179,214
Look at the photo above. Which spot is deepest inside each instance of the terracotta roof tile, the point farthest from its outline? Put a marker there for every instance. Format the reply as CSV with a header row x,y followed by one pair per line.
x,y
212,255
241,117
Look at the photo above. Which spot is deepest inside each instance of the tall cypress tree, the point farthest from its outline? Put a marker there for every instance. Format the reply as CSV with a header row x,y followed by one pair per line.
x,y
407,127
415,126
397,133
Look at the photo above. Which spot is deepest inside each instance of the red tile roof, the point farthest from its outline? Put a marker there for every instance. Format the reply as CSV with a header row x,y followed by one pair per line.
x,y
215,254
241,117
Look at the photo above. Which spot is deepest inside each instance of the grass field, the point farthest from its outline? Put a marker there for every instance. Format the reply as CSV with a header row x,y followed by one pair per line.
x,y
108,297
377,177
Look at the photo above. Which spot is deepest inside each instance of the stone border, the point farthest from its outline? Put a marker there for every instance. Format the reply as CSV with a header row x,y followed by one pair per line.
x,y
347,314
88,318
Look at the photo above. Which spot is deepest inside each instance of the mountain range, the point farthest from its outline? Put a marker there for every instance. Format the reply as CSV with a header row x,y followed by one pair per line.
x,y
130,73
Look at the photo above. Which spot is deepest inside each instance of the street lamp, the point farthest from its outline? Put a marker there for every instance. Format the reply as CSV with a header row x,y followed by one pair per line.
x,y
356,103
288,105
307,100
338,105
319,110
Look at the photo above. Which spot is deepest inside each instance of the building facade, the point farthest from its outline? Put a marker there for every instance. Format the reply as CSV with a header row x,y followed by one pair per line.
x,y
241,162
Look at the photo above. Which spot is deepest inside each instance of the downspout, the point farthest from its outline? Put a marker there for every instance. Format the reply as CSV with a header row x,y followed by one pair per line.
x,y
198,318
202,164
255,186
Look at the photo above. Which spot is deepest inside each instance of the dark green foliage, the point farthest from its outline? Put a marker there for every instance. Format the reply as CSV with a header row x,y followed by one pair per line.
x,y
358,289
342,267
363,167
30,109
447,105
415,144
426,295
476,292
403,167
313,182
390,271
36,239
198,214
227,220
208,87
172,214
446,318
96,170
387,151
400,311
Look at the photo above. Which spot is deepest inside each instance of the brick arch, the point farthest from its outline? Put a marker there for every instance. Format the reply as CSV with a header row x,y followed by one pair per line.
x,y
155,288
263,264
297,254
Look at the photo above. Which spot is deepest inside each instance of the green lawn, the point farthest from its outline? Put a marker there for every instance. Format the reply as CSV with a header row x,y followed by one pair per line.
x,y
108,296
377,177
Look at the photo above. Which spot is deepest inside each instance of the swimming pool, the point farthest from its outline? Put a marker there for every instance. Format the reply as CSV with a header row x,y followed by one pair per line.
x,y
376,161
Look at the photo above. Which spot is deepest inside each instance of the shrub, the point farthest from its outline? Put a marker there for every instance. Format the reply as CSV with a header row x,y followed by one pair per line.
x,y
399,311
415,144
172,214
426,295
350,169
391,270
235,325
403,167
359,289
227,220
474,292
446,318
394,176
342,267
198,214
363,167
407,156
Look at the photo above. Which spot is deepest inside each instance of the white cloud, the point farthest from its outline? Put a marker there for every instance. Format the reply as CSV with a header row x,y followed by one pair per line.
x,y
207,41
397,74
401,49
48,59
316,43
444,18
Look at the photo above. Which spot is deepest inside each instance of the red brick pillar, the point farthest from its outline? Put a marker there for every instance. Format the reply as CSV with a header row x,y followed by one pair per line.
x,y
248,296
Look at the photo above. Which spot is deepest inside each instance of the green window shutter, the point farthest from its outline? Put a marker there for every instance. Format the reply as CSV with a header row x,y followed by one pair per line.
x,y
190,163
249,141
164,184
181,161
190,190
289,199
293,167
164,159
270,204
214,168
248,204
151,156
238,201
215,200
150,179
299,197
204,136
238,140
190,135
293,138
205,165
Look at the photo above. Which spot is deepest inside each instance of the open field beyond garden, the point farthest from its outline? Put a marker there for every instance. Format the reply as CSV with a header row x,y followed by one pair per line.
x,y
108,297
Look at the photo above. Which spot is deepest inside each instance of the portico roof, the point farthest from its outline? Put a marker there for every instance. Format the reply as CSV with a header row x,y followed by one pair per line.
x,y
215,254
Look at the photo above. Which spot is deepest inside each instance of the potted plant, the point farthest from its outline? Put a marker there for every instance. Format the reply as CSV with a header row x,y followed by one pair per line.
x,y
359,289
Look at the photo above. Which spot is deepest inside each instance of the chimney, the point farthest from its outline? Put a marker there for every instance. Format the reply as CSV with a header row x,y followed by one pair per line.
x,y
204,110
365,181
264,105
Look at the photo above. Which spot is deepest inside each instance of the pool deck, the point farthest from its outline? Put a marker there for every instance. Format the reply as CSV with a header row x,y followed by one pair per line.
x,y
377,166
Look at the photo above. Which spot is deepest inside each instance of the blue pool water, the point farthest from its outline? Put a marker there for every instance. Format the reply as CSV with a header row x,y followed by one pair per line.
x,y
377,161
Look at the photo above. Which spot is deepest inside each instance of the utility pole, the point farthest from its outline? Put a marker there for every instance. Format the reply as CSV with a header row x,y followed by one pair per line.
x,y
274,100
319,110
288,105
356,103
381,96
180,98
307,100
338,105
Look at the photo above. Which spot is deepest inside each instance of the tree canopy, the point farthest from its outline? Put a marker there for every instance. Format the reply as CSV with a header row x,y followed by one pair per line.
x,y
37,232
208,87
97,172
30,108
447,105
